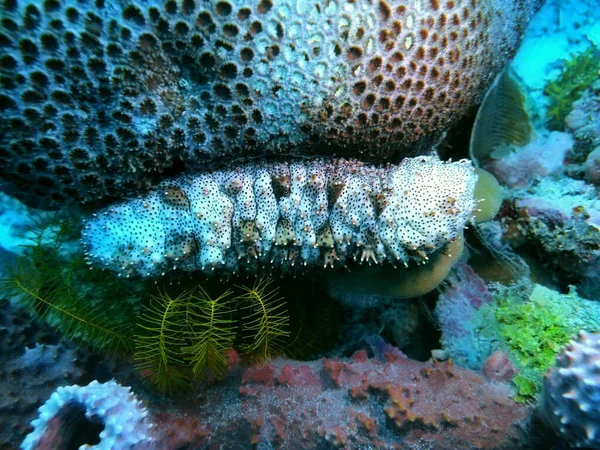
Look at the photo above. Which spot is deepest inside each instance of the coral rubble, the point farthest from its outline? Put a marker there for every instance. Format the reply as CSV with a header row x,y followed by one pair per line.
x,y
101,98
561,218
584,119
281,215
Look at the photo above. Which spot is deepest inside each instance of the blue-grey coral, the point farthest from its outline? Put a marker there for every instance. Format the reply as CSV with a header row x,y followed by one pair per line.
x,y
102,98
283,215
571,397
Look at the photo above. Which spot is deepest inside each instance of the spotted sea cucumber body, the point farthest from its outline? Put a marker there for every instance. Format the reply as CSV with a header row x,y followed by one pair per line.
x,y
286,215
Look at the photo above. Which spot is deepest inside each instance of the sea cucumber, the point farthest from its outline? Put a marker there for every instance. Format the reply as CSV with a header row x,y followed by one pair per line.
x,y
287,214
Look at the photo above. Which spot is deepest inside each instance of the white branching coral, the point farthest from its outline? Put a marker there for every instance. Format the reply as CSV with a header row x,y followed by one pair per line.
x,y
110,405
282,215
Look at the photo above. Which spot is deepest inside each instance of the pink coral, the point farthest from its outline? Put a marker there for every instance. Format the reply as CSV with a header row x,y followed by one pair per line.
x,y
498,367
543,157
350,403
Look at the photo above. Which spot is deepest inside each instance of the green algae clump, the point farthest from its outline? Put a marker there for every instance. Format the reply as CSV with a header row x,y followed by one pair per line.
x,y
534,331
52,282
577,75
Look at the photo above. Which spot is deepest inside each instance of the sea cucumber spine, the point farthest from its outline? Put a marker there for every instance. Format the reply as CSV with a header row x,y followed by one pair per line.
x,y
286,215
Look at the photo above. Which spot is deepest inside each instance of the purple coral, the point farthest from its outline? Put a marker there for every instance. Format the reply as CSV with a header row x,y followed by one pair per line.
x,y
571,397
110,405
456,314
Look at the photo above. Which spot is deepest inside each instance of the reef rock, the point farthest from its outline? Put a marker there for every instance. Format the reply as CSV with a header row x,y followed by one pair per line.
x,y
33,362
101,98
353,403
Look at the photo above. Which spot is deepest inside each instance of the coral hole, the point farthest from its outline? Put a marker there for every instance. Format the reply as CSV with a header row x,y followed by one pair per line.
x,y
76,429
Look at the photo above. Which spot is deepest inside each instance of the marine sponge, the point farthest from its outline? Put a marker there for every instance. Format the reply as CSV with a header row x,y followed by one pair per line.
x,y
287,214
109,404
101,98
571,398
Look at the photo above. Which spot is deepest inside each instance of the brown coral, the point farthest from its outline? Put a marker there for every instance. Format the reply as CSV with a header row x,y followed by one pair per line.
x,y
352,403
101,99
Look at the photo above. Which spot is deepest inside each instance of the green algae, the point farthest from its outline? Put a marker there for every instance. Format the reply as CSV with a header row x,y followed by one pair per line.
x,y
577,74
533,330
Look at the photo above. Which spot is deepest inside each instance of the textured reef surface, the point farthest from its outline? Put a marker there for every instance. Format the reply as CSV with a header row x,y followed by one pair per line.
x,y
350,403
101,98
205,146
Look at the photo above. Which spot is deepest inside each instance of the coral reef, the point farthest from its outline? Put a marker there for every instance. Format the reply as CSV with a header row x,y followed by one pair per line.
x,y
592,166
101,98
344,403
393,319
584,123
583,119
456,313
509,332
559,32
549,209
287,214
531,329
121,417
498,367
576,76
520,166
559,220
33,361
571,397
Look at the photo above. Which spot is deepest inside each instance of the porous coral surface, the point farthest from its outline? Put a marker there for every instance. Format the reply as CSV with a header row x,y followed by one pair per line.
x,y
100,98
281,215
